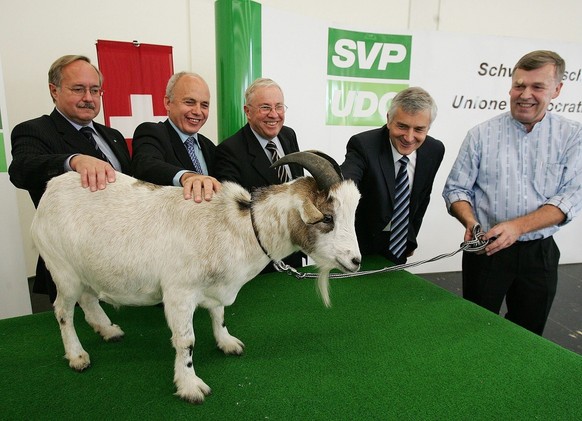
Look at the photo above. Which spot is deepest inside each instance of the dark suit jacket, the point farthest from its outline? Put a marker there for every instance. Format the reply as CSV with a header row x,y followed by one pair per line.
x,y
159,153
41,146
370,164
242,159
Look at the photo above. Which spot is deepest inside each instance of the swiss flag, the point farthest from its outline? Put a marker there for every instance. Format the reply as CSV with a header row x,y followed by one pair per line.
x,y
134,83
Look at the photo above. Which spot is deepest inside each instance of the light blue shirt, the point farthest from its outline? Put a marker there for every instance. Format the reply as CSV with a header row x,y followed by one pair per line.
x,y
504,172
199,154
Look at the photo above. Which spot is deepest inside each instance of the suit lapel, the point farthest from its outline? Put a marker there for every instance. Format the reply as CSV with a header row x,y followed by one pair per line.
x,y
71,136
296,170
114,143
386,162
206,153
258,157
178,146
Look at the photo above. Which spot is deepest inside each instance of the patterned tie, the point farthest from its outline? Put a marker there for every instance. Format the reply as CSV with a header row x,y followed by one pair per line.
x,y
191,147
88,133
399,224
281,171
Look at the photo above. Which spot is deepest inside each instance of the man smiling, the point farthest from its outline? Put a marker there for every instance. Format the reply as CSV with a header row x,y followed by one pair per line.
x,y
246,156
174,152
519,176
391,210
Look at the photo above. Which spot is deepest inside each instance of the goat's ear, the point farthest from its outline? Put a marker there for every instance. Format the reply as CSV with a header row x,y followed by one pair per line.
x,y
309,213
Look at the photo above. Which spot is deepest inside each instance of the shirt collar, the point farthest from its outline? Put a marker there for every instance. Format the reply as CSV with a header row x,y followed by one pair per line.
x,y
521,126
264,141
76,125
396,155
184,136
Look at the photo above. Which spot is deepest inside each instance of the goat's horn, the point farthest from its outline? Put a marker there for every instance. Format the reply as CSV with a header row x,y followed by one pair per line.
x,y
322,167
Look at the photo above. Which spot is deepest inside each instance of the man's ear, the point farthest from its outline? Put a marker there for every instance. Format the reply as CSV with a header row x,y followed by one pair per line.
x,y
557,91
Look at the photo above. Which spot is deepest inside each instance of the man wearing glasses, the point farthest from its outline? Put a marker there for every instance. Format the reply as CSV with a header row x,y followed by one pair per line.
x,y
246,156
67,140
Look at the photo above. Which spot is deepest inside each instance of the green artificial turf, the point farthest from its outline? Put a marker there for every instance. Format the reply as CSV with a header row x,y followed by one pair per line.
x,y
393,346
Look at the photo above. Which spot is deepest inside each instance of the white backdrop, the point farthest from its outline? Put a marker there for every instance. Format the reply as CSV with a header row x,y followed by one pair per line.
x,y
14,297
449,66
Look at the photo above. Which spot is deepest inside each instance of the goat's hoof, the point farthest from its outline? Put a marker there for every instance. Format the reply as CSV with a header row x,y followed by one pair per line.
x,y
80,363
111,333
116,338
195,397
233,346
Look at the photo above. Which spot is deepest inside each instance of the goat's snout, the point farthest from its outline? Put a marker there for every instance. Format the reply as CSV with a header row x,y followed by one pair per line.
x,y
350,264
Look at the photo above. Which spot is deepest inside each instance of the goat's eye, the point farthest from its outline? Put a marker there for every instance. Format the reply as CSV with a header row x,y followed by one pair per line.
x,y
327,219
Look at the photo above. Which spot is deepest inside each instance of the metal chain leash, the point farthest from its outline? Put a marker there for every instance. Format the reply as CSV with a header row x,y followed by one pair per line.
x,y
475,245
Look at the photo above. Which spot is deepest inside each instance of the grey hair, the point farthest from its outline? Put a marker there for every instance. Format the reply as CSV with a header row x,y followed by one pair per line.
x,y
413,100
539,58
174,79
55,73
259,83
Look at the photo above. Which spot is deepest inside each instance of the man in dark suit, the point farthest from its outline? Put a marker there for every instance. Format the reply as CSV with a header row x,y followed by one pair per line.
x,y
53,144
373,162
173,152
246,156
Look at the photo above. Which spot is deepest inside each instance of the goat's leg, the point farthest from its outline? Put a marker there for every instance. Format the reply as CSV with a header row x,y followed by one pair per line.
x,y
225,341
64,312
179,313
97,319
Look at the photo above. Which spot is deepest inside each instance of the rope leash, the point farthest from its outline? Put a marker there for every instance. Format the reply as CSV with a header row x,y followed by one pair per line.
x,y
472,246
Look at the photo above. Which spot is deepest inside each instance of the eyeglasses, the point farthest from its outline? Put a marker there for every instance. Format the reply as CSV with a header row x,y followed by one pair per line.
x,y
81,90
266,109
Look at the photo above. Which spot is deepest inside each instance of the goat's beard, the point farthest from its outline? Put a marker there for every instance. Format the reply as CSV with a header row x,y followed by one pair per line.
x,y
323,285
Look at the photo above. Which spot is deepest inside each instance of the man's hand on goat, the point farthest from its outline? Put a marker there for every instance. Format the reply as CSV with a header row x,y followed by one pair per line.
x,y
95,173
199,186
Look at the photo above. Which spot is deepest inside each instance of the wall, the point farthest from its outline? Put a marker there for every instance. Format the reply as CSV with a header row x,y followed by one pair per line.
x,y
34,33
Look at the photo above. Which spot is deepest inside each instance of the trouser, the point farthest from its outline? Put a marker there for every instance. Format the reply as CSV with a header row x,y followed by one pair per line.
x,y
525,274
43,282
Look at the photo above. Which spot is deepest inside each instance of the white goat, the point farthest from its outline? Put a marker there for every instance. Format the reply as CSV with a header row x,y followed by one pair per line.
x,y
136,243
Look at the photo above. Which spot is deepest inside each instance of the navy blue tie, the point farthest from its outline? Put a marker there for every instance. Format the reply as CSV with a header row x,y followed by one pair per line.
x,y
399,224
88,133
191,147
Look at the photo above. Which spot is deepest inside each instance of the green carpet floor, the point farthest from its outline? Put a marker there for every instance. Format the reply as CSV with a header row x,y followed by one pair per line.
x,y
393,346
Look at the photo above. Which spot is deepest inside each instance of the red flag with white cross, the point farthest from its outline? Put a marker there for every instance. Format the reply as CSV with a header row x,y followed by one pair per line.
x,y
134,83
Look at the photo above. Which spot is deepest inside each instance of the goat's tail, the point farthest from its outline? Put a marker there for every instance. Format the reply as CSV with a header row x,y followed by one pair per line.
x,y
323,285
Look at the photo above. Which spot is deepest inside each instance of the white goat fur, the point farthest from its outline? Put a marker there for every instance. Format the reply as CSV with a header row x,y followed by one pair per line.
x,y
135,243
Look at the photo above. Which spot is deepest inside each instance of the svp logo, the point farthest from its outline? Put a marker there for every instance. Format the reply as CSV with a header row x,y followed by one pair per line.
x,y
365,71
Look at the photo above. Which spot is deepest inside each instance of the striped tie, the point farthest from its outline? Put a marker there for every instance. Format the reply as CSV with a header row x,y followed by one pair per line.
x,y
191,147
399,224
281,171
88,133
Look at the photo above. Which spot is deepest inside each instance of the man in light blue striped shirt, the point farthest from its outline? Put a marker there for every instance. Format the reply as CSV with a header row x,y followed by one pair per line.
x,y
519,175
